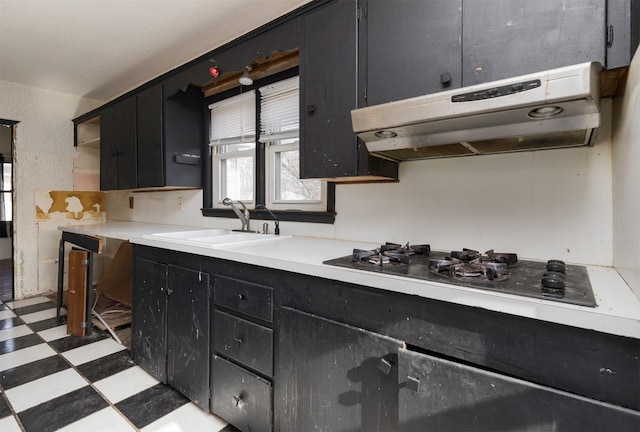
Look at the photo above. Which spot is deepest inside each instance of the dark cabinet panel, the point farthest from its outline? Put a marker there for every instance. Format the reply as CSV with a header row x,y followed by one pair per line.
x,y
149,317
240,397
188,334
412,48
437,394
330,374
150,166
118,157
328,67
503,39
243,341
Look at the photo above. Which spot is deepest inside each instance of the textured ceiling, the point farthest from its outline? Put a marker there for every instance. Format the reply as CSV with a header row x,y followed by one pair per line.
x,y
102,48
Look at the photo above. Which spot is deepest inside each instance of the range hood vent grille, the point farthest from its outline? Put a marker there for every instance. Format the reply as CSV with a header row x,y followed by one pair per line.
x,y
499,117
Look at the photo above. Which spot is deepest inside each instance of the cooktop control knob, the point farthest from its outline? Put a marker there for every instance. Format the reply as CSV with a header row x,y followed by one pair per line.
x,y
556,266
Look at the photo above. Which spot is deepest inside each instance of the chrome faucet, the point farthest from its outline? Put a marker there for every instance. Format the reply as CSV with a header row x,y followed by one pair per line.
x,y
244,217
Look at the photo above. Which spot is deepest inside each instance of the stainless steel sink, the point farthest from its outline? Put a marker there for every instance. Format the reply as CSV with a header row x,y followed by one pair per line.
x,y
213,237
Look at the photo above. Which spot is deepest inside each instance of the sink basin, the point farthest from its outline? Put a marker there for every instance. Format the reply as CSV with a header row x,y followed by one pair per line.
x,y
213,237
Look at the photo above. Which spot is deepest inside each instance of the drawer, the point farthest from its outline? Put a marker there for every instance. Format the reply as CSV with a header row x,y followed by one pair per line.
x,y
240,397
245,297
248,343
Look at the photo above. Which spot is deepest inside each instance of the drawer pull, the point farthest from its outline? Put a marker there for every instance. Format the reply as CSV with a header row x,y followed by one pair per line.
x,y
413,384
384,366
241,297
238,401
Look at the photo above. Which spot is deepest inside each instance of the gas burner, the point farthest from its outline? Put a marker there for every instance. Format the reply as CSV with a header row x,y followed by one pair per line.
x,y
389,254
470,265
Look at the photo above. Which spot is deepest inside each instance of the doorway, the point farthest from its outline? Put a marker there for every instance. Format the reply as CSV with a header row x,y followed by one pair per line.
x,y
7,134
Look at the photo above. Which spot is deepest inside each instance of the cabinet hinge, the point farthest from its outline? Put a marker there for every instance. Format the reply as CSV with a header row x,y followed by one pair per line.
x,y
360,13
365,93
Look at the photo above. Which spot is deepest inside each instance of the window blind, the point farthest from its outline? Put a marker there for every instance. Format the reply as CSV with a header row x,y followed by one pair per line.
x,y
280,110
233,120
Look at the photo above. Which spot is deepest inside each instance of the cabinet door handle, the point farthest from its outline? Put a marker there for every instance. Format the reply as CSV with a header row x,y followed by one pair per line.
x,y
384,366
413,384
311,109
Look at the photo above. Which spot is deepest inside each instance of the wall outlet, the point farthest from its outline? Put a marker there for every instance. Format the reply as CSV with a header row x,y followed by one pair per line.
x,y
180,203
130,202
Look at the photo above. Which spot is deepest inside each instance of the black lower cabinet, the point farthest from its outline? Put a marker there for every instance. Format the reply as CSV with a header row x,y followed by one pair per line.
x,y
333,377
170,326
442,395
149,317
188,334
240,397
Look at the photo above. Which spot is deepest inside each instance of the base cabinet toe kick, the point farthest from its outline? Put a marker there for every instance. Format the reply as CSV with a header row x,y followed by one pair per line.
x,y
292,352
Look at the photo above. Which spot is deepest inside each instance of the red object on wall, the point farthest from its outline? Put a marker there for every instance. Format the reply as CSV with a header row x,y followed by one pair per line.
x,y
214,71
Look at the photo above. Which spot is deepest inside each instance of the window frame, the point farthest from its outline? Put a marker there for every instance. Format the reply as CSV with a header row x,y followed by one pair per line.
x,y
261,178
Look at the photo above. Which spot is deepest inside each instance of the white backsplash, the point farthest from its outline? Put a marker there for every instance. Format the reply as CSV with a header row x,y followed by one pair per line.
x,y
541,205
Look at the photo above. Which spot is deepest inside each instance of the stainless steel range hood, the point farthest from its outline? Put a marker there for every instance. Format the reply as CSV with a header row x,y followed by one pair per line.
x,y
551,109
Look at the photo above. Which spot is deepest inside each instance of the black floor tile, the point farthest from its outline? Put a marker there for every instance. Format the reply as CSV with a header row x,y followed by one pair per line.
x,y
3,306
31,371
10,322
71,342
106,366
229,428
48,323
34,308
148,406
4,407
11,345
59,412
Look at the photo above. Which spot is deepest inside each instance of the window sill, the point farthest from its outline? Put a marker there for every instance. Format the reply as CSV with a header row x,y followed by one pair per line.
x,y
282,215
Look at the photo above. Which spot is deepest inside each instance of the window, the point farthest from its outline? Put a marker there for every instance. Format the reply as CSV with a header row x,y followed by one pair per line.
x,y
254,141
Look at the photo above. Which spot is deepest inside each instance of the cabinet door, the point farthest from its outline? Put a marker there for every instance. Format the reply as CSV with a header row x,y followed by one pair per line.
x,y
328,93
413,48
150,157
188,334
118,146
149,317
437,394
506,38
333,377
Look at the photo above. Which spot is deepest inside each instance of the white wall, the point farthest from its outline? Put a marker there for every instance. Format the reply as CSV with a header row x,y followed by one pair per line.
x,y
541,205
626,180
44,161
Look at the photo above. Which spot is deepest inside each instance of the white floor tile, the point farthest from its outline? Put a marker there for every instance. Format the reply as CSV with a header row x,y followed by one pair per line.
x,y
92,351
188,418
14,332
41,390
4,314
126,383
25,355
106,420
26,302
54,333
9,424
41,315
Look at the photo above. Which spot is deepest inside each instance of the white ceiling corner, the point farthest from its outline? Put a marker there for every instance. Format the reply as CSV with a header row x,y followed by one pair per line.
x,y
100,49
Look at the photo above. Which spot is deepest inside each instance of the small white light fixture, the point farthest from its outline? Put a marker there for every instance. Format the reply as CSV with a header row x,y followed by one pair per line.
x,y
245,79
545,112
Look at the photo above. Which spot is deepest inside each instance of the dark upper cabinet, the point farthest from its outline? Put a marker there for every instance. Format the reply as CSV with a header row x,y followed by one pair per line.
x,y
412,48
502,39
118,146
149,140
328,93
150,162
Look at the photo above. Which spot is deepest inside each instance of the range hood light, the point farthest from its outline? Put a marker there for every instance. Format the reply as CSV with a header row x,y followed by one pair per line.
x,y
386,134
545,112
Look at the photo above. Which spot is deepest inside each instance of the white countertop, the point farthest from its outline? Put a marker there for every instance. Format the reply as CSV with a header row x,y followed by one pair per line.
x,y
618,310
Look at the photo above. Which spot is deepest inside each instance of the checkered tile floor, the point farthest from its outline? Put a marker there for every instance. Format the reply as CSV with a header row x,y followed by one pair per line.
x,y
50,381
